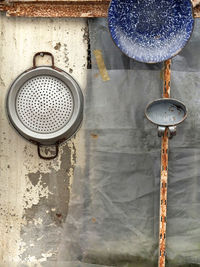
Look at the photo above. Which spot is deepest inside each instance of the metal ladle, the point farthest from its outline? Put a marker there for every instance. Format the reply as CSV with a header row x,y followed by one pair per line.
x,y
166,113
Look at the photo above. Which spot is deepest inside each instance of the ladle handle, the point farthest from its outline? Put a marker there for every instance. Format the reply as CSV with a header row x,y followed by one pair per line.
x,y
42,54
164,174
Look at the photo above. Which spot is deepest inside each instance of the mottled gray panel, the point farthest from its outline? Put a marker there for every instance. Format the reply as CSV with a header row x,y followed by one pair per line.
x,y
113,215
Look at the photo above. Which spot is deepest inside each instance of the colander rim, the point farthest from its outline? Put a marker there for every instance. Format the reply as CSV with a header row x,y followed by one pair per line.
x,y
69,129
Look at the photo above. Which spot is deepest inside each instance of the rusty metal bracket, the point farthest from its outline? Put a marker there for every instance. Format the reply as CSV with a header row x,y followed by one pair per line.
x,y
164,173
64,8
55,8
171,131
161,131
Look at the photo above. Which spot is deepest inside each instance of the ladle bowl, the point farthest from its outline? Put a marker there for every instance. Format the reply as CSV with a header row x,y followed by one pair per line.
x,y
166,112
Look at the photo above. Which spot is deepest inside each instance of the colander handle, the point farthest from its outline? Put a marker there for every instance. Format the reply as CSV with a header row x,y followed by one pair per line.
x,y
42,54
47,158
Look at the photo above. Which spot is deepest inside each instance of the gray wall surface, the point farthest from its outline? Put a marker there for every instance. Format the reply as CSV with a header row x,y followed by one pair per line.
x,y
97,203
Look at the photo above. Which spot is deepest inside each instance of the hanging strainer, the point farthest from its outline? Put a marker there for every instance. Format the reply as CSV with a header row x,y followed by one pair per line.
x,y
45,105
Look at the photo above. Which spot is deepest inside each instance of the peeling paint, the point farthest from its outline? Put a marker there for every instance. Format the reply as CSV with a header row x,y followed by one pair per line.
x,y
33,194
41,183
72,157
30,187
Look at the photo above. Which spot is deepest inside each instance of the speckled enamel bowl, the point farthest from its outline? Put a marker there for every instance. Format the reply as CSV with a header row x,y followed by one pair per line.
x,y
150,31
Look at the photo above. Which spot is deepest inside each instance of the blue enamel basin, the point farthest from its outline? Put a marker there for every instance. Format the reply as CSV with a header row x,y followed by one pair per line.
x,y
150,31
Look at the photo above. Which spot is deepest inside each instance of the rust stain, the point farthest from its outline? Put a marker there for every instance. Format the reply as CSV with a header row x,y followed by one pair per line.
x,y
56,9
197,11
93,135
195,3
64,8
196,8
167,79
96,75
94,220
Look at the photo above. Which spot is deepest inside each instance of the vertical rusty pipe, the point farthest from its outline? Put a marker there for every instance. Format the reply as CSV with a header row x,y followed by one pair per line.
x,y
164,175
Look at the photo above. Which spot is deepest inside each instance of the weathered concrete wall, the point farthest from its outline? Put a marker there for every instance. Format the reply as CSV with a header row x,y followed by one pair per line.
x,y
34,193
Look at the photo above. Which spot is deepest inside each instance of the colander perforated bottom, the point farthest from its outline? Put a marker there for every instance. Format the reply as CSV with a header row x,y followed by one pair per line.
x,y
44,104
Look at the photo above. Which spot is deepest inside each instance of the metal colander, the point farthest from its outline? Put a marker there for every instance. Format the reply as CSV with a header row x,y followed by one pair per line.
x,y
45,105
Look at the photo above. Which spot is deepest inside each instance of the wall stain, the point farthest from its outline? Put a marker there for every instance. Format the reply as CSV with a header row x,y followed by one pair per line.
x,y
2,82
57,46
66,53
95,136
